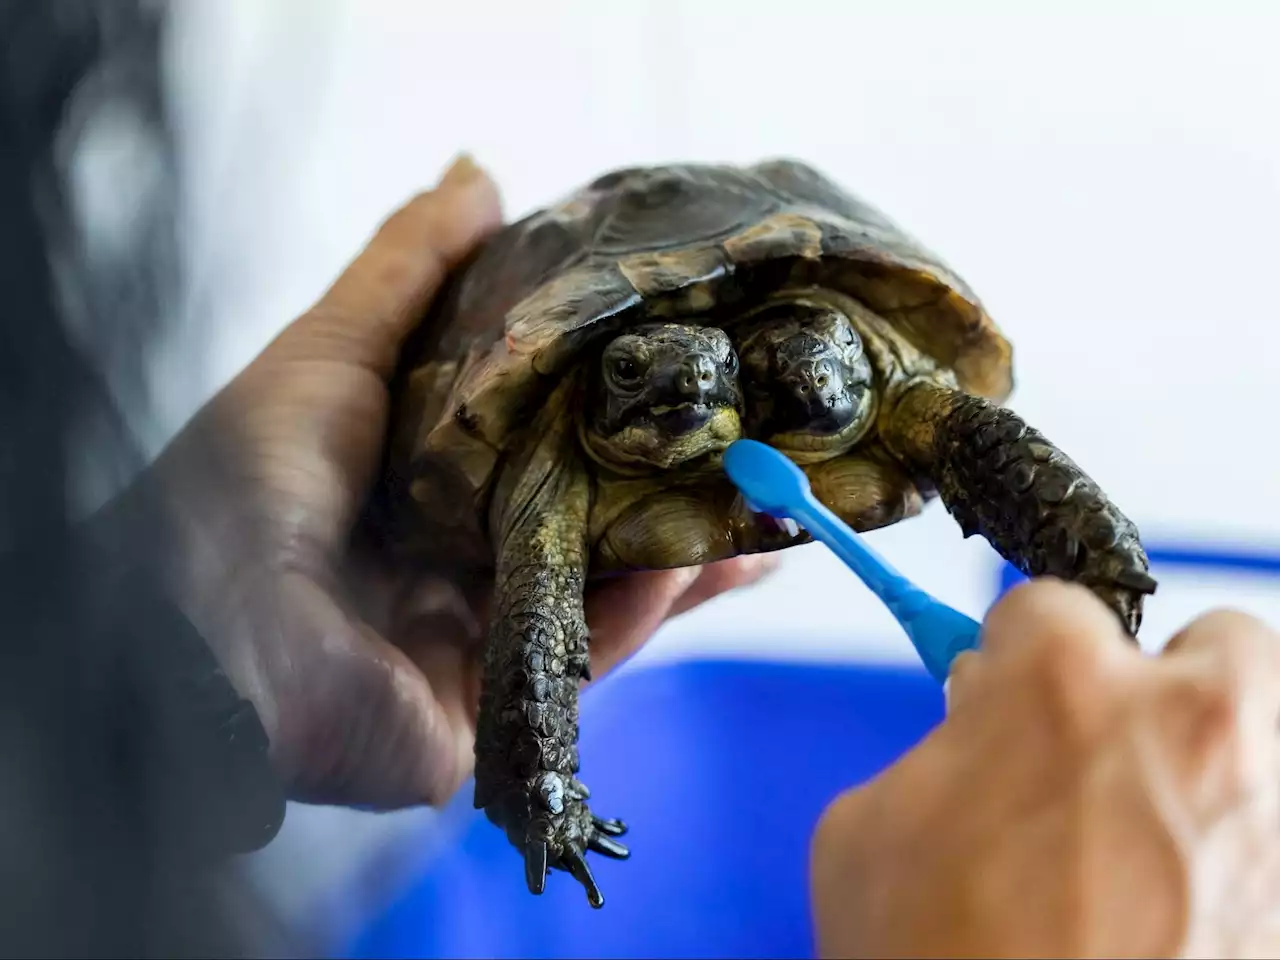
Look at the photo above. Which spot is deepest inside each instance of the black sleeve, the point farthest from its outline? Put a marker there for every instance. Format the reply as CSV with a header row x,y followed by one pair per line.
x,y
133,770
197,750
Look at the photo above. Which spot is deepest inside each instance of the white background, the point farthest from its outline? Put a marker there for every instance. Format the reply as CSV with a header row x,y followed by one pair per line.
x,y
1106,175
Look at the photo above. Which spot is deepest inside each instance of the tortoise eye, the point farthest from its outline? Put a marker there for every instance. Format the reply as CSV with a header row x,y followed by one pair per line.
x,y
731,363
625,370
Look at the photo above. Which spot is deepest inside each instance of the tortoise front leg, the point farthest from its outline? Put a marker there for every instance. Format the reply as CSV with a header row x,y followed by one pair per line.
x,y
527,730
1003,479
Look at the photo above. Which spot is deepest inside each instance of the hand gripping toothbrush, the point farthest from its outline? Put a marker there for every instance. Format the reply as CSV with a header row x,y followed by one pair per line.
x,y
774,485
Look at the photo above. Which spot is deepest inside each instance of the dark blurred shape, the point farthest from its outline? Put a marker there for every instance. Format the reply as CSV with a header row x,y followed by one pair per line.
x,y
129,769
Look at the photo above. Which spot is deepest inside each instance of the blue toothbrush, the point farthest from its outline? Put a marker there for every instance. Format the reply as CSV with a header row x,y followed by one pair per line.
x,y
773,484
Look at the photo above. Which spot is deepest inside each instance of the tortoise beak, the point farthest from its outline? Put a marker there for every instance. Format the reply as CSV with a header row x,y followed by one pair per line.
x,y
818,399
693,390
685,417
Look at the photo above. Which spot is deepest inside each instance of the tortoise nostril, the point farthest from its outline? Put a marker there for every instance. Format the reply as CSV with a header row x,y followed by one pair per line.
x,y
822,381
697,377
701,373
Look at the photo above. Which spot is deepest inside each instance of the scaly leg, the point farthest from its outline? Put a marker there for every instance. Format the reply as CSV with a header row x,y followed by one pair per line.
x,y
527,731
1003,479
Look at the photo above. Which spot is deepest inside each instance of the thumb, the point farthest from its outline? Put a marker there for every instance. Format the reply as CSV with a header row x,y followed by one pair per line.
x,y
397,744
365,316
356,721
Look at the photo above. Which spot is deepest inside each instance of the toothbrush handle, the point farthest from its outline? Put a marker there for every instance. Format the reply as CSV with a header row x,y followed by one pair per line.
x,y
938,632
897,592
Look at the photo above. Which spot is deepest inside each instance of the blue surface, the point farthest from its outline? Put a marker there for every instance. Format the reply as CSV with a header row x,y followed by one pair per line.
x,y
721,771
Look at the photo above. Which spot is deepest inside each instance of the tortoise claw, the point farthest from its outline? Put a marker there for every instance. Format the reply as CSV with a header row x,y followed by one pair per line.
x,y
612,828
580,832
576,864
535,867
604,844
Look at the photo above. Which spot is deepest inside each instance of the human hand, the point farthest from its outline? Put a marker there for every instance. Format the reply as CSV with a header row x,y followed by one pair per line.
x,y
1080,799
265,488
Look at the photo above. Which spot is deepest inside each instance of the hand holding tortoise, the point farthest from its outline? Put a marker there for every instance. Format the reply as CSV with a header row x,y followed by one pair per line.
x,y
364,674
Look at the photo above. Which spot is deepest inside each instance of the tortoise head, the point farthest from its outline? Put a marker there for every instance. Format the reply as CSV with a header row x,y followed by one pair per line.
x,y
808,381
664,395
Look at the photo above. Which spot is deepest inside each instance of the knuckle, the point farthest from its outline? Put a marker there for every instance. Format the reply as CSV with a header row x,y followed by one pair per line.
x,y
1042,609
1061,641
1222,732
1245,650
1227,622
1217,711
1215,742
1061,660
1074,680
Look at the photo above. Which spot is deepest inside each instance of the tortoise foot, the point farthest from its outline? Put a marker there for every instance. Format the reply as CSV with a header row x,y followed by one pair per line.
x,y
1003,479
562,840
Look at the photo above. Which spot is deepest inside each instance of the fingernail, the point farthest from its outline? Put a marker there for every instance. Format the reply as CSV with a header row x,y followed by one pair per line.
x,y
462,170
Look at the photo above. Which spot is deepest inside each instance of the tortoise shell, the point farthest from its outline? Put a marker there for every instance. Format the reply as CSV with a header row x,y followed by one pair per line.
x,y
665,241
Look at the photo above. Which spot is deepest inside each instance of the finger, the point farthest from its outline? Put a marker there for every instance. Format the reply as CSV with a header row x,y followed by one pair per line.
x,y
623,613
1063,648
721,577
1049,614
452,673
367,313
1218,683
1240,650
435,607
369,728
962,680
1222,629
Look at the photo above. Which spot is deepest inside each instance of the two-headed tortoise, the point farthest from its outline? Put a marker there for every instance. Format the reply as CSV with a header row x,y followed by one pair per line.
x,y
565,407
